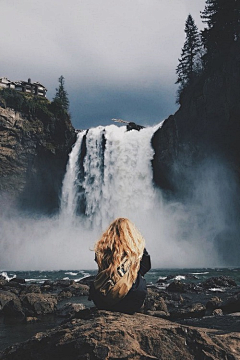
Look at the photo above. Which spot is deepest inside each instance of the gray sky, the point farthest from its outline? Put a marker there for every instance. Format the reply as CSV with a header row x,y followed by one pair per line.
x,y
118,57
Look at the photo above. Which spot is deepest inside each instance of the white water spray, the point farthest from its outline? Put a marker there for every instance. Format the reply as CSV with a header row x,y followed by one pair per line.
x,y
117,179
114,179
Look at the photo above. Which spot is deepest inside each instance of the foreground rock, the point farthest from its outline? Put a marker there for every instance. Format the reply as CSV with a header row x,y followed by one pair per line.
x,y
105,335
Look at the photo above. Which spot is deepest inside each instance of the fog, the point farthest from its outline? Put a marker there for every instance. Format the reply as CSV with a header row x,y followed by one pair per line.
x,y
200,230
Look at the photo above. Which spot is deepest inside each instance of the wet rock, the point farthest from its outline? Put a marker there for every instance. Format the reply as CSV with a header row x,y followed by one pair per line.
x,y
47,286
70,310
218,282
31,319
155,303
231,305
161,281
63,283
48,282
177,286
13,290
104,335
193,287
3,282
17,280
217,312
38,304
212,304
194,311
175,297
5,297
224,323
13,284
134,126
31,289
13,309
64,294
79,289
10,305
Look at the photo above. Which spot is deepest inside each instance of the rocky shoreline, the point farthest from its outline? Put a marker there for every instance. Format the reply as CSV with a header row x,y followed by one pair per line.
x,y
183,321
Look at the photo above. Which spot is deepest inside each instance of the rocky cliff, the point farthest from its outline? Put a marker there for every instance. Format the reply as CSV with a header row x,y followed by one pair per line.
x,y
197,153
206,125
33,156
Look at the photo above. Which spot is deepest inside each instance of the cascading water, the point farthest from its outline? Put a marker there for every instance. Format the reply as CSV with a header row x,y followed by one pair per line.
x,y
116,175
70,181
109,175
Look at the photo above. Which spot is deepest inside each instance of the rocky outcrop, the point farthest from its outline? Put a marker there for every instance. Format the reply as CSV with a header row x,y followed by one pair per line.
x,y
21,300
163,329
206,125
197,152
105,335
33,156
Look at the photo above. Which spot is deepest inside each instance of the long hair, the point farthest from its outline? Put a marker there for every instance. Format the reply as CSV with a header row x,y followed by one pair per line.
x,y
121,239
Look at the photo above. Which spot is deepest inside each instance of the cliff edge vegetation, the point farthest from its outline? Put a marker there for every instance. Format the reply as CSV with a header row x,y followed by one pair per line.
x,y
207,122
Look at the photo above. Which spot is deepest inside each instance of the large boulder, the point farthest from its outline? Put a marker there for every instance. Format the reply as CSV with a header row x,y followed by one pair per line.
x,y
102,335
10,304
39,304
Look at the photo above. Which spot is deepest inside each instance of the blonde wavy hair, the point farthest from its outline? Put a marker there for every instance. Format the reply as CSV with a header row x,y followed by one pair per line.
x,y
121,239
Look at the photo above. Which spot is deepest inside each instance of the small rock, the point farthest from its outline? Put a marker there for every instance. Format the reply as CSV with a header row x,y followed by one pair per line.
x,y
31,289
31,319
176,286
18,280
70,309
64,295
217,312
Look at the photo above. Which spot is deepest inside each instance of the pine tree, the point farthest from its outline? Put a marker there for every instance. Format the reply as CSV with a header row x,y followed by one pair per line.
x,y
223,20
190,62
61,96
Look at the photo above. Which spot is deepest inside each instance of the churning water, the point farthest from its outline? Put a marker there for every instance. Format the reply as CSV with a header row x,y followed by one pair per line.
x,y
114,178
109,175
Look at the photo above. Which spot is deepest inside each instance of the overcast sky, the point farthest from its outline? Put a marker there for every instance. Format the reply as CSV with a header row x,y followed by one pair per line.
x,y
118,57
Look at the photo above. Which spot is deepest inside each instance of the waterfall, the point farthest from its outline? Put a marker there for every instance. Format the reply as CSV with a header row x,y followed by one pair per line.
x,y
115,176
109,175
70,182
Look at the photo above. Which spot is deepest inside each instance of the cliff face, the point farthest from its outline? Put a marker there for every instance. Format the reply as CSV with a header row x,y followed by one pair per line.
x,y
197,154
206,124
33,156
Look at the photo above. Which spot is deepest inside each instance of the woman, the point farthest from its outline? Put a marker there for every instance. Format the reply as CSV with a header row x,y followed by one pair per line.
x,y
122,262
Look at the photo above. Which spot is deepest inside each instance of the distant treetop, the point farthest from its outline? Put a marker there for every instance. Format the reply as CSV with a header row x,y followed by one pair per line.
x,y
61,96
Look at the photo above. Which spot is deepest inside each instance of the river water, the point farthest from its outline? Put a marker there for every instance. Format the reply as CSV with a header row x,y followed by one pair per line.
x,y
12,331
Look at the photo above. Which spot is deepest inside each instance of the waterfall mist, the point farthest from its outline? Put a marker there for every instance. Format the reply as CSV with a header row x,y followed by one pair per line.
x,y
113,178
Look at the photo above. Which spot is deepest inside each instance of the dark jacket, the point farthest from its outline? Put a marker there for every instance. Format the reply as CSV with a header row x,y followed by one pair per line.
x,y
134,299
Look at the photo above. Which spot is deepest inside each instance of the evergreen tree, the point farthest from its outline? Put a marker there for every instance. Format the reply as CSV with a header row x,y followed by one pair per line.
x,y
61,97
190,62
223,20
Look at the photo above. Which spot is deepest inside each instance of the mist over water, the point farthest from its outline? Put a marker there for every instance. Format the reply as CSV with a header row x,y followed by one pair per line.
x,y
115,180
